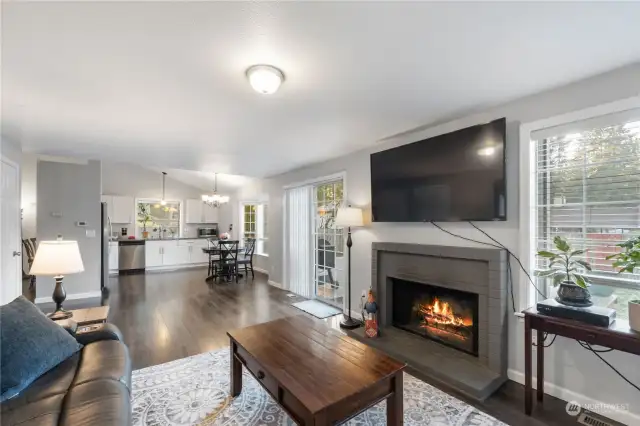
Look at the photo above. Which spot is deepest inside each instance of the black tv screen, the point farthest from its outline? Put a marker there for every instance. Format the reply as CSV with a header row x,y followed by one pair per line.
x,y
458,176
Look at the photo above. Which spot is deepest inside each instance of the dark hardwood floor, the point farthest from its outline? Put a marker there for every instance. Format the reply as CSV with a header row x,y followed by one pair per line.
x,y
171,315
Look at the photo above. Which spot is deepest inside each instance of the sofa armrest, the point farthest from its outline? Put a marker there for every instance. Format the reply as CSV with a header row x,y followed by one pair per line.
x,y
100,332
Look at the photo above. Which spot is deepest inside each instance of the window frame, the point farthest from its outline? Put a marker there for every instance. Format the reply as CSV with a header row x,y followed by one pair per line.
x,y
259,222
527,294
138,228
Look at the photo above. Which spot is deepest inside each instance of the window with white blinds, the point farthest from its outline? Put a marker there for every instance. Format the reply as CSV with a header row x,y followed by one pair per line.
x,y
587,183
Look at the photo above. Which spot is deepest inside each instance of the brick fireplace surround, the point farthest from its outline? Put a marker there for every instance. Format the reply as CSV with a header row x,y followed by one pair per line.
x,y
475,270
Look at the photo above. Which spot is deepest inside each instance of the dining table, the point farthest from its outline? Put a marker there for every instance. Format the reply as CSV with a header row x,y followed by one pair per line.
x,y
214,250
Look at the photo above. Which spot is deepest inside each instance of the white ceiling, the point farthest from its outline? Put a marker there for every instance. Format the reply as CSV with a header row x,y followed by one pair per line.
x,y
163,84
205,180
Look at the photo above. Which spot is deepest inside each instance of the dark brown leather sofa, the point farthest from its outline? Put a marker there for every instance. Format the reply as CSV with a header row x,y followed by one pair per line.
x,y
90,388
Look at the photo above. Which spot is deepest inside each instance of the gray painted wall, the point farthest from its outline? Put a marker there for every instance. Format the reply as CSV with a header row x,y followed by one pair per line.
x,y
572,372
72,190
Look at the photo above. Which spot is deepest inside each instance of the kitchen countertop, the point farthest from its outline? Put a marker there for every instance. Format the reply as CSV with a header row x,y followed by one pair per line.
x,y
159,239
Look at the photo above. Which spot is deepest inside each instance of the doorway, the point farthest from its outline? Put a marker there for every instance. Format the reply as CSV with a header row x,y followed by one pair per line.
x,y
10,226
328,243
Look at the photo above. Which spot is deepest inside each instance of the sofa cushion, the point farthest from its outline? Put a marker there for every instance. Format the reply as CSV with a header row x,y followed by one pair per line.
x,y
106,359
31,344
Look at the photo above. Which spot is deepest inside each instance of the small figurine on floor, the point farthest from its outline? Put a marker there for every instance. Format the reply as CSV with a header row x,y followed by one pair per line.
x,y
370,316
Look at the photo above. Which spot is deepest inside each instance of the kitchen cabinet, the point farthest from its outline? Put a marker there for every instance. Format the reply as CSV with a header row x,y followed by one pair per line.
x,y
153,253
175,253
120,209
113,256
195,211
210,214
199,212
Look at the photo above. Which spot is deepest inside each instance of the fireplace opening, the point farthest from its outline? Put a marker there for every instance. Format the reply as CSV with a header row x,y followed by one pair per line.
x,y
445,315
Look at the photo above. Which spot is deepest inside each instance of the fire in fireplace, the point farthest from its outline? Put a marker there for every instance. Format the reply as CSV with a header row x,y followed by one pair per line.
x,y
445,315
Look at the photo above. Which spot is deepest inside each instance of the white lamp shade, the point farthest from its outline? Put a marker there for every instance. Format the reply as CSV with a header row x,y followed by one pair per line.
x,y
57,258
349,216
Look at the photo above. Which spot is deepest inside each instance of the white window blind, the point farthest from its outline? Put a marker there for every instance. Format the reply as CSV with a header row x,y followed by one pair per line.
x,y
587,183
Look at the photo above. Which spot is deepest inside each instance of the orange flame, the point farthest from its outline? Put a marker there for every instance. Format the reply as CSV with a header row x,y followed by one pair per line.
x,y
442,313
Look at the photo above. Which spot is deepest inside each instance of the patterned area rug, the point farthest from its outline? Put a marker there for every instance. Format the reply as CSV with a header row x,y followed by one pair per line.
x,y
195,391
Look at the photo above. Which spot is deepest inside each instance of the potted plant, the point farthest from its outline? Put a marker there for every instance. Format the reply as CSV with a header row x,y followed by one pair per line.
x,y
144,217
566,270
629,261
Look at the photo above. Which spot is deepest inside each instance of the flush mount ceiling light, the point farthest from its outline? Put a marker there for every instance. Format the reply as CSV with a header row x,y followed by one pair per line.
x,y
265,79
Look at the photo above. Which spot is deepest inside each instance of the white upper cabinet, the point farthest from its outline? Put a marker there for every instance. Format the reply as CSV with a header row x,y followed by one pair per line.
x,y
195,211
210,214
120,209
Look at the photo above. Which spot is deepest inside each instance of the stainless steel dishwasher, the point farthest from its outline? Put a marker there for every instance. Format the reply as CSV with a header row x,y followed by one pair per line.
x,y
131,256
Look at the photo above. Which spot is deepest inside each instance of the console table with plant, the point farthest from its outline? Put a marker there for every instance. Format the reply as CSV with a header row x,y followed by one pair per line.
x,y
568,271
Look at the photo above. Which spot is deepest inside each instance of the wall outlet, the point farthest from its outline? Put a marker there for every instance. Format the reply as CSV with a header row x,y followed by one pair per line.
x,y
365,293
90,233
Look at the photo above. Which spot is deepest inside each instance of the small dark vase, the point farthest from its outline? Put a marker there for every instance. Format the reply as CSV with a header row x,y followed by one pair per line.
x,y
571,294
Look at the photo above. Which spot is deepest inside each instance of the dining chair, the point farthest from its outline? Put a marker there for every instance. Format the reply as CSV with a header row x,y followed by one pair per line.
x,y
247,256
213,258
30,251
229,259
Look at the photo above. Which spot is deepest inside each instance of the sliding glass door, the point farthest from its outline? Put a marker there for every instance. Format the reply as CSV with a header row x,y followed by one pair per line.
x,y
328,243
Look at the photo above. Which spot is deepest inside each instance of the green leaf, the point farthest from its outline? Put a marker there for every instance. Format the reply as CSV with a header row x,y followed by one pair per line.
x,y
545,273
584,264
558,278
577,252
561,244
579,280
544,253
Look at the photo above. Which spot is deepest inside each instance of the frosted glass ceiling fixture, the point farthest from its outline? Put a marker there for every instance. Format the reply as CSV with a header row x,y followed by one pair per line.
x,y
215,199
265,79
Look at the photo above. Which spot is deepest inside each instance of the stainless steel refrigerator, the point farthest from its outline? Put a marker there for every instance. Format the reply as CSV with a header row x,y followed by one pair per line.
x,y
105,235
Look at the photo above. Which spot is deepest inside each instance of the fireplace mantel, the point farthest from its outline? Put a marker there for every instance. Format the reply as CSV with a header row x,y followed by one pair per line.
x,y
477,270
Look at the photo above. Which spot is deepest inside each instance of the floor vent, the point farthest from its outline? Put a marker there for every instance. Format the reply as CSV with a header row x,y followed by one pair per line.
x,y
590,419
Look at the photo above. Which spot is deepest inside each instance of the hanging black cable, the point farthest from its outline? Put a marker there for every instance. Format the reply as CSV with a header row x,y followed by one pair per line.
x,y
611,366
509,276
511,254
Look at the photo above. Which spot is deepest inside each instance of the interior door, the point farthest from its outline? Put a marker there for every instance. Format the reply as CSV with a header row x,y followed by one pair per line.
x,y
11,272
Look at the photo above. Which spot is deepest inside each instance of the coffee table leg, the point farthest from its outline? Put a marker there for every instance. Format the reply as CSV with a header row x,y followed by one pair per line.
x,y
395,402
236,372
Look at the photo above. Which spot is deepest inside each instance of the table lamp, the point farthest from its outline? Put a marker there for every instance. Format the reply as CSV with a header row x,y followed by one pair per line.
x,y
57,258
349,217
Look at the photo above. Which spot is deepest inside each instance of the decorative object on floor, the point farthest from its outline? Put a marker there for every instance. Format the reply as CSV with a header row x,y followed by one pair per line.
x,y
634,315
317,309
58,258
265,79
195,391
370,315
31,345
348,217
215,199
573,284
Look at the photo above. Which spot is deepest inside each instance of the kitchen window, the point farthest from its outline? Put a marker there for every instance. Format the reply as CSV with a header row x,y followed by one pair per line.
x,y
586,183
158,220
254,225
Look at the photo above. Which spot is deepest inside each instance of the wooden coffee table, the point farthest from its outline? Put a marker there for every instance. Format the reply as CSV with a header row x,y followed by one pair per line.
x,y
317,375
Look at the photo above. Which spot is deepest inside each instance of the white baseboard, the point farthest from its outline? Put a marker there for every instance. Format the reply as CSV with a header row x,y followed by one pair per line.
x,y
623,416
174,267
275,284
73,296
264,271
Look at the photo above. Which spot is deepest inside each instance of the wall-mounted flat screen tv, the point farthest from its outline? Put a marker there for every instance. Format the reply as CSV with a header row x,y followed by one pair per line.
x,y
458,176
